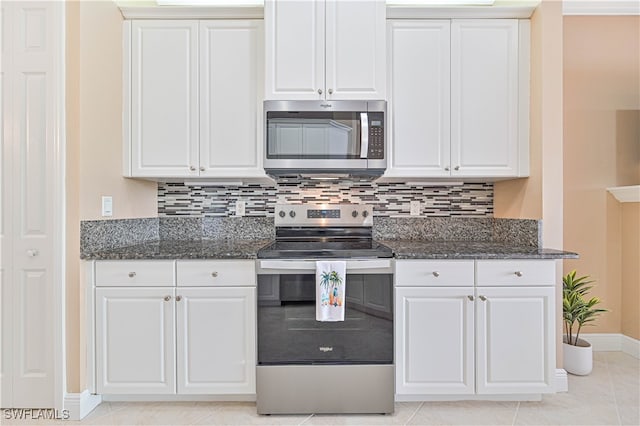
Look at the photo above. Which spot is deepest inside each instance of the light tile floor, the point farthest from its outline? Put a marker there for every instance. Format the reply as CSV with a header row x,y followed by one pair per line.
x,y
610,395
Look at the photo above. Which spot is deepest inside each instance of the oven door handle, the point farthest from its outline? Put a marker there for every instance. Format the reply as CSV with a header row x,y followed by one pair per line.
x,y
310,265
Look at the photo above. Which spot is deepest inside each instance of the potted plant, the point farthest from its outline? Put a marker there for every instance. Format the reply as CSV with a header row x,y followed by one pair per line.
x,y
577,311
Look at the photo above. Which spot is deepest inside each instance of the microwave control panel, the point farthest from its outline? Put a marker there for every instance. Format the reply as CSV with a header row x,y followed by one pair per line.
x,y
376,136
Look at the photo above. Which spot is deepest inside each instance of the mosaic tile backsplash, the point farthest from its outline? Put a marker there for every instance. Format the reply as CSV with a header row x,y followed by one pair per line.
x,y
388,199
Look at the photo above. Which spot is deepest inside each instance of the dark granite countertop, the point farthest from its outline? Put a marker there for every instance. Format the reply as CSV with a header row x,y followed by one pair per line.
x,y
420,249
247,249
181,249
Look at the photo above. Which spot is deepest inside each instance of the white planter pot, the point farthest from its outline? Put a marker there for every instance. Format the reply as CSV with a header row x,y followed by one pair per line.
x,y
577,360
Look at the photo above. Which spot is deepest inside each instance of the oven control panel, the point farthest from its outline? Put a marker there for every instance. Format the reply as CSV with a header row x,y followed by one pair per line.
x,y
323,215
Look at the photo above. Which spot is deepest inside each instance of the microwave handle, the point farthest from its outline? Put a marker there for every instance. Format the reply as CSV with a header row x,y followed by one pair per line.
x,y
364,135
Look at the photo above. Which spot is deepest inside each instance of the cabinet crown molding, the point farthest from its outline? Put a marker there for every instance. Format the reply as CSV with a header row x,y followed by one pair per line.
x,y
499,10
131,10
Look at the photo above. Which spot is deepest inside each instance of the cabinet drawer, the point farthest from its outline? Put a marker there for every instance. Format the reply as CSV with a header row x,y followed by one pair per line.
x,y
434,273
515,272
135,273
216,272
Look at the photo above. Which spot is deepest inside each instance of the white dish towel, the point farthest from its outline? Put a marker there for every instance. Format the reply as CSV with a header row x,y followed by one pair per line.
x,y
331,281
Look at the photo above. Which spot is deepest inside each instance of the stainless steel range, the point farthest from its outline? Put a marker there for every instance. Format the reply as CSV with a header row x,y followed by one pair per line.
x,y
309,366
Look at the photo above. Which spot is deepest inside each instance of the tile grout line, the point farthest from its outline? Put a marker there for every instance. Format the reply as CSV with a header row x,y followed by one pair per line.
x,y
515,415
613,389
306,419
414,413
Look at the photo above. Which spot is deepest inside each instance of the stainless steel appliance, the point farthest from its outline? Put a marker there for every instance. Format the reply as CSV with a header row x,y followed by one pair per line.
x,y
307,366
310,137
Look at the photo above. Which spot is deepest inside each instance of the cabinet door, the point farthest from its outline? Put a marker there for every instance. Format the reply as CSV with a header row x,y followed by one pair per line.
x,y
164,98
419,72
216,330
294,35
135,341
515,340
231,65
434,341
355,49
484,97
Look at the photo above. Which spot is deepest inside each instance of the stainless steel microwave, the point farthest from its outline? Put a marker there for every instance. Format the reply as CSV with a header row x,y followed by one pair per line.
x,y
325,137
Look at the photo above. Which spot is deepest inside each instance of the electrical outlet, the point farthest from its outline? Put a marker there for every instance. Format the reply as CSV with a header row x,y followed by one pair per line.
x,y
415,208
107,205
240,207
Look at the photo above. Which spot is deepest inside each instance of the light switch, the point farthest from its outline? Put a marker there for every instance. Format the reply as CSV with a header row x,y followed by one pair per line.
x,y
415,208
240,207
107,205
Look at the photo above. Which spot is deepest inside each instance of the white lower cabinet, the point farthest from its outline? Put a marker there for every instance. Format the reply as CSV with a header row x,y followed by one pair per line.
x,y
457,336
216,340
135,340
168,339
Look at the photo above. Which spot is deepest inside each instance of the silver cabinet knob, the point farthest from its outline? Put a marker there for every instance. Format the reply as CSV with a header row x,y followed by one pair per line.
x,y
32,253
446,169
202,168
470,298
167,298
192,168
436,274
178,298
456,168
319,91
518,273
214,274
482,298
331,91
132,274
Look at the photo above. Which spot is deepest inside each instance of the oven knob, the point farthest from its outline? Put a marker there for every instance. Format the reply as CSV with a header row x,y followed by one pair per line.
x,y
292,213
282,213
365,213
354,213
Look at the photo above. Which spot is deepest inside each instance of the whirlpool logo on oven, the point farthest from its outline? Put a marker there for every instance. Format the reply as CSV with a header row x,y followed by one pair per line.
x,y
326,349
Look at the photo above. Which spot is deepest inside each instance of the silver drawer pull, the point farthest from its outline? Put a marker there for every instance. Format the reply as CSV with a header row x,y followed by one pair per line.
x,y
132,274
436,274
167,298
32,253
214,274
470,298
178,298
483,298
519,273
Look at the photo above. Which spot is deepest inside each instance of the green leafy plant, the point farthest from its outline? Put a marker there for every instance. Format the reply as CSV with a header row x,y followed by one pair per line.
x,y
577,310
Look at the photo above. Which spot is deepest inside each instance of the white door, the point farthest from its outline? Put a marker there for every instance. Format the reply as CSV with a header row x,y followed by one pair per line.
x,y
135,340
355,49
164,98
419,109
231,90
294,36
30,147
434,340
515,340
484,97
216,340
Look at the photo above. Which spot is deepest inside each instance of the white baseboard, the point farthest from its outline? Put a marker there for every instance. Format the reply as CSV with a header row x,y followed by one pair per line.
x,y
81,404
177,398
472,397
562,380
604,342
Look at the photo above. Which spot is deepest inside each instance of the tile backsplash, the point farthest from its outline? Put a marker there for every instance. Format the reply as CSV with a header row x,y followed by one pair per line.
x,y
388,199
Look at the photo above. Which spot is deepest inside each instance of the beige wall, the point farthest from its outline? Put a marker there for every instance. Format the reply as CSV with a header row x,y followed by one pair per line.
x,y
631,270
601,121
94,150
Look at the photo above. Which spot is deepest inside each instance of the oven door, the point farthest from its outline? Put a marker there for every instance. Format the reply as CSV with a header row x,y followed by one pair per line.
x,y
289,334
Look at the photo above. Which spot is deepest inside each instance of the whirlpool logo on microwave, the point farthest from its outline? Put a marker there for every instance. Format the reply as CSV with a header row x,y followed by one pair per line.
x,y
326,349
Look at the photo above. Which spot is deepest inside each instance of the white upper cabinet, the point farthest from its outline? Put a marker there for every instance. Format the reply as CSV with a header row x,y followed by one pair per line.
x,y
193,98
484,97
419,82
459,98
325,49
231,73
164,97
